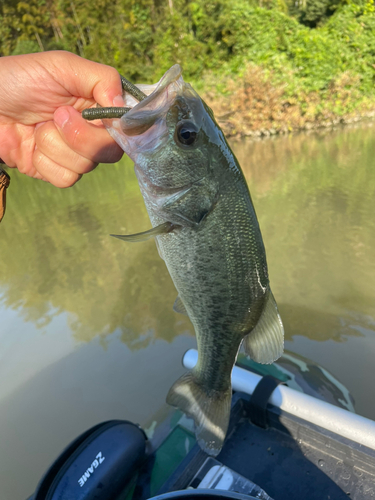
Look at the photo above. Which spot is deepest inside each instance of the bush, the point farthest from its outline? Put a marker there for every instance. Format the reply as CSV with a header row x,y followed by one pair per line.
x,y
328,69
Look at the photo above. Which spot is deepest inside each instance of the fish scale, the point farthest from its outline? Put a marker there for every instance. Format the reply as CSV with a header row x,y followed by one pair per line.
x,y
207,233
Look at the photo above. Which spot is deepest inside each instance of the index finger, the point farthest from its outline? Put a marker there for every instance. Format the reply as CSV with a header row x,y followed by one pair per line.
x,y
86,79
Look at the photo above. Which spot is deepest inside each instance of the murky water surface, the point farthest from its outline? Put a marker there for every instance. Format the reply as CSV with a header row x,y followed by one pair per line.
x,y
87,330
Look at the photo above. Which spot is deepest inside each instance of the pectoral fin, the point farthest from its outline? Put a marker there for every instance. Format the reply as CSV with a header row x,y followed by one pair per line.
x,y
179,306
164,228
193,204
265,343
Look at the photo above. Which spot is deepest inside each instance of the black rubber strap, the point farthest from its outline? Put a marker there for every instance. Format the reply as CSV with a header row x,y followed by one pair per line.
x,y
257,406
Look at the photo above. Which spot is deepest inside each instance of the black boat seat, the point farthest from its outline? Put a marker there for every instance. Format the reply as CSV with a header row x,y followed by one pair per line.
x,y
99,464
203,494
102,463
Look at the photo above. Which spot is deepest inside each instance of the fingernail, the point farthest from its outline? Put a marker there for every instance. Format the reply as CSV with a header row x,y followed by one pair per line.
x,y
61,116
118,101
39,125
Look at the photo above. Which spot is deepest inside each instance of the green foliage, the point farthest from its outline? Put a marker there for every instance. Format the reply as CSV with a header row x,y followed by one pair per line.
x,y
212,40
25,47
312,13
353,30
23,25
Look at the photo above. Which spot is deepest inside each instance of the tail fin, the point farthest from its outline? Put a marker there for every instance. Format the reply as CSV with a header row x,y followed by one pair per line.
x,y
210,411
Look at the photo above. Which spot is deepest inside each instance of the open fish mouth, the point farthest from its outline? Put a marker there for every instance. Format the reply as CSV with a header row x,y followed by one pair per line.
x,y
144,127
156,105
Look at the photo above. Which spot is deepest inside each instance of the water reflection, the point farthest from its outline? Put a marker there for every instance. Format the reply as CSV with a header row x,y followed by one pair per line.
x,y
75,302
316,209
60,258
315,198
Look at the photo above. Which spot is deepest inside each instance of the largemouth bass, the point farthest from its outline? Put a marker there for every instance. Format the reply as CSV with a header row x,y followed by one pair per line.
x,y
207,233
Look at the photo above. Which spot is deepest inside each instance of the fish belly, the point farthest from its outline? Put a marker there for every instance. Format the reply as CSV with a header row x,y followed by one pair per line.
x,y
220,272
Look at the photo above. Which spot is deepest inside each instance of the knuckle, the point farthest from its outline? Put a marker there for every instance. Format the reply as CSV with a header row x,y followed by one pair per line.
x,y
82,165
113,73
112,154
117,154
56,174
110,74
38,159
68,178
62,177
45,138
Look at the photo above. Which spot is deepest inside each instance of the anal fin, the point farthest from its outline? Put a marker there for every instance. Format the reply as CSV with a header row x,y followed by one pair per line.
x,y
265,343
179,306
210,410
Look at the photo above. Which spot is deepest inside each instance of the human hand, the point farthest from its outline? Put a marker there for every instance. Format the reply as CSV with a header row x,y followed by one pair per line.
x,y
42,132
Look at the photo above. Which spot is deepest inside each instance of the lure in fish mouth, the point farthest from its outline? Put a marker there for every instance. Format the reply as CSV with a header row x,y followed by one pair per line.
x,y
207,232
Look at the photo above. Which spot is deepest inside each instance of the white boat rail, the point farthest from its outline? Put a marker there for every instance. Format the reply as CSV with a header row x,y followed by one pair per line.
x,y
338,420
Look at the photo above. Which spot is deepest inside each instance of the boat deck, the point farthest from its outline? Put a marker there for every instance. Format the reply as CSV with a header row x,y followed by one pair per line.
x,y
289,460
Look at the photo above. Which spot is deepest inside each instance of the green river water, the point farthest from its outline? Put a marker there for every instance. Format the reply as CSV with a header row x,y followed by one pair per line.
x,y
87,330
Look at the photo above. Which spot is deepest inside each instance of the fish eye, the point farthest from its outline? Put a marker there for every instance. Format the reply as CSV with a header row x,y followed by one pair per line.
x,y
186,133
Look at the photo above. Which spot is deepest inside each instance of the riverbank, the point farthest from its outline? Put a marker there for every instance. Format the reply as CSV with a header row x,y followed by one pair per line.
x,y
238,123
265,67
252,106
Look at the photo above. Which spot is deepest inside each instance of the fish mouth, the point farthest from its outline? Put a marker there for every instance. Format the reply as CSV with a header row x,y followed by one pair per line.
x,y
144,127
155,106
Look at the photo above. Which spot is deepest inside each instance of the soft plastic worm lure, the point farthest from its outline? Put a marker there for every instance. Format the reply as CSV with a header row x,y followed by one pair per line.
x,y
114,112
